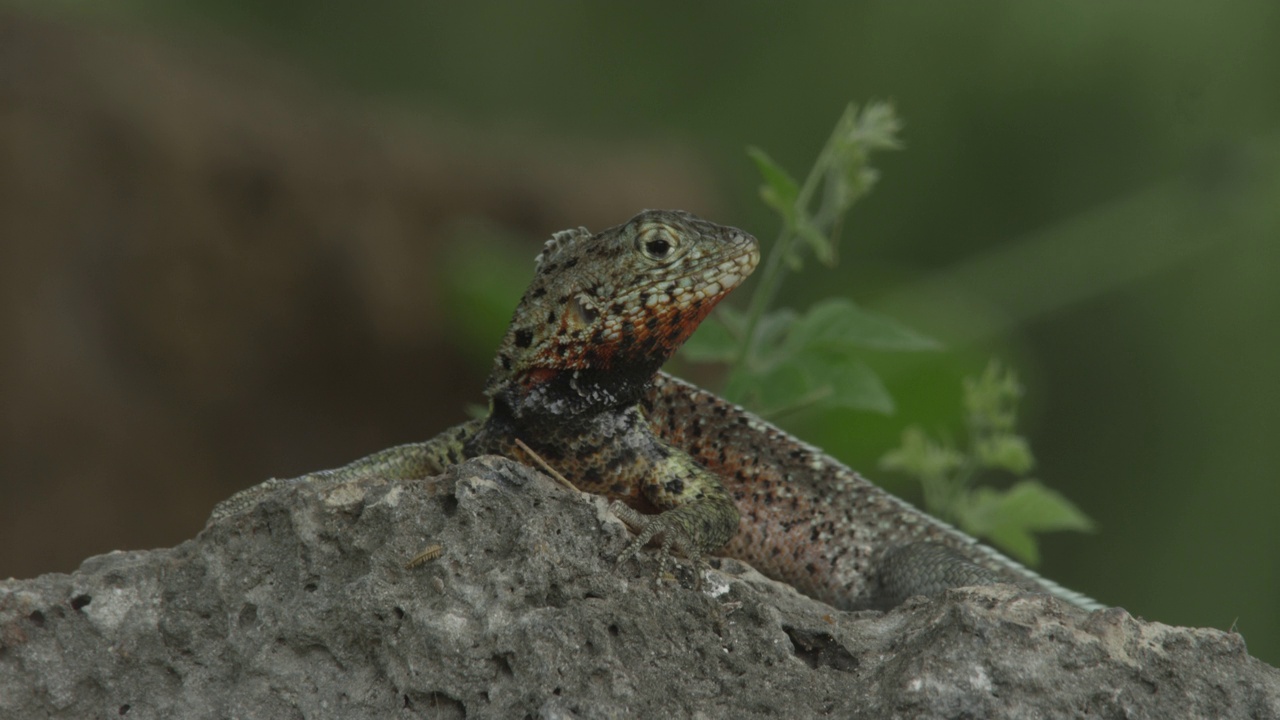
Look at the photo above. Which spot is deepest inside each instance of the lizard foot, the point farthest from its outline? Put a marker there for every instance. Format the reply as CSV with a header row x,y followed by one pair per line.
x,y
648,527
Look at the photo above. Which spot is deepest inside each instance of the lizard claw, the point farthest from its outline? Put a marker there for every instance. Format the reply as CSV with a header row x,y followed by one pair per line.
x,y
648,527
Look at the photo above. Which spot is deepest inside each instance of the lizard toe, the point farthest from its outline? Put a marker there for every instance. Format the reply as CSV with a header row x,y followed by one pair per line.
x,y
673,535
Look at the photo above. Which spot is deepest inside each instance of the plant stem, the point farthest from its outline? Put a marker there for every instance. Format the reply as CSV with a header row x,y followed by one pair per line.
x,y
771,275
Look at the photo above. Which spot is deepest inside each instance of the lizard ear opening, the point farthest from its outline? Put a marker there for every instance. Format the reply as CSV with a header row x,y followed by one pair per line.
x,y
581,312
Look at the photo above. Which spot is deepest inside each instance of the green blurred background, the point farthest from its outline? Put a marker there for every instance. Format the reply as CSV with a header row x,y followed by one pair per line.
x,y
1089,191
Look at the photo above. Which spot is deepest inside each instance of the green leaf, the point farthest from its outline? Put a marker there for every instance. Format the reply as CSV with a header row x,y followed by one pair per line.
x,y
991,401
1004,452
842,382
1044,509
838,323
819,381
740,388
780,190
875,128
770,346
711,342
983,513
781,388
1017,542
1008,517
734,319
921,457
857,135
816,239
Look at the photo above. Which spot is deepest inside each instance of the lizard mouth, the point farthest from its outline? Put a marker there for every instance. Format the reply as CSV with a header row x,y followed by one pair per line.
x,y
669,311
699,287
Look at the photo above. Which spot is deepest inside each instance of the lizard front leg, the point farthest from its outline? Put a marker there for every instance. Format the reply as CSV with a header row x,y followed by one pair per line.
x,y
699,516
402,462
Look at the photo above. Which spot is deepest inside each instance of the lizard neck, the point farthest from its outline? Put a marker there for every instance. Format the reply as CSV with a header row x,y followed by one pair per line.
x,y
568,395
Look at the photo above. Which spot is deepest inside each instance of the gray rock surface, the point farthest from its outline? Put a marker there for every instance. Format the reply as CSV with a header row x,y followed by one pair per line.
x,y
303,608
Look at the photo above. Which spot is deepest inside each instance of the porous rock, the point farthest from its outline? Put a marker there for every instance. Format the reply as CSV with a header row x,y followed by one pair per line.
x,y
304,608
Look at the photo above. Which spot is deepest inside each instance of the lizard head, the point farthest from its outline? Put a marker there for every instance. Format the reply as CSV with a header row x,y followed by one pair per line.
x,y
606,310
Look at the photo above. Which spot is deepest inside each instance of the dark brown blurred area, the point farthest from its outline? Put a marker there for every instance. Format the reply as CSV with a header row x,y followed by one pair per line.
x,y
212,272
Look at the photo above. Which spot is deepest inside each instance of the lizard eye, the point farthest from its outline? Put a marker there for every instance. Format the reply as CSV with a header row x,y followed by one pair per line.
x,y
657,249
658,243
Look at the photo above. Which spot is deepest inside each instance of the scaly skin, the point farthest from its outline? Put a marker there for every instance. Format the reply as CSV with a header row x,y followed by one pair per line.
x,y
576,378
810,521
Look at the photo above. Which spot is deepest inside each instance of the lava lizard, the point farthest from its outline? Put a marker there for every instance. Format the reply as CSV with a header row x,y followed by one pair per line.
x,y
577,379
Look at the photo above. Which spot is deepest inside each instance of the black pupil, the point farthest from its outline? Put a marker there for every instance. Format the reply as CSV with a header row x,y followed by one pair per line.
x,y
658,248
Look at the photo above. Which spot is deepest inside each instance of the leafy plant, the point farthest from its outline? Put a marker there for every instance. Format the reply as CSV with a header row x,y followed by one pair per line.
x,y
948,475
781,360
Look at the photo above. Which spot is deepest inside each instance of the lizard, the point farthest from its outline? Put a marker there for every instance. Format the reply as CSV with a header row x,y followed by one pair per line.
x,y
577,379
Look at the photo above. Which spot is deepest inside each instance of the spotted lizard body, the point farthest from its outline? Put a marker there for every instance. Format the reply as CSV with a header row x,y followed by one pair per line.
x,y
576,378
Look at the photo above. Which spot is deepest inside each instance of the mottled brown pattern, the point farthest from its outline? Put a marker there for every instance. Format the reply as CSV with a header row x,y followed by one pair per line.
x,y
576,379
603,313
811,521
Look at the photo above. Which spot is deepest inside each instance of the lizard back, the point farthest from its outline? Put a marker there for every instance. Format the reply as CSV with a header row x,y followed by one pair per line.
x,y
808,519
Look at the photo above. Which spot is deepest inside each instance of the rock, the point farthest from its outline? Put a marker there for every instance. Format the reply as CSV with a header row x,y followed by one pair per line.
x,y
304,607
